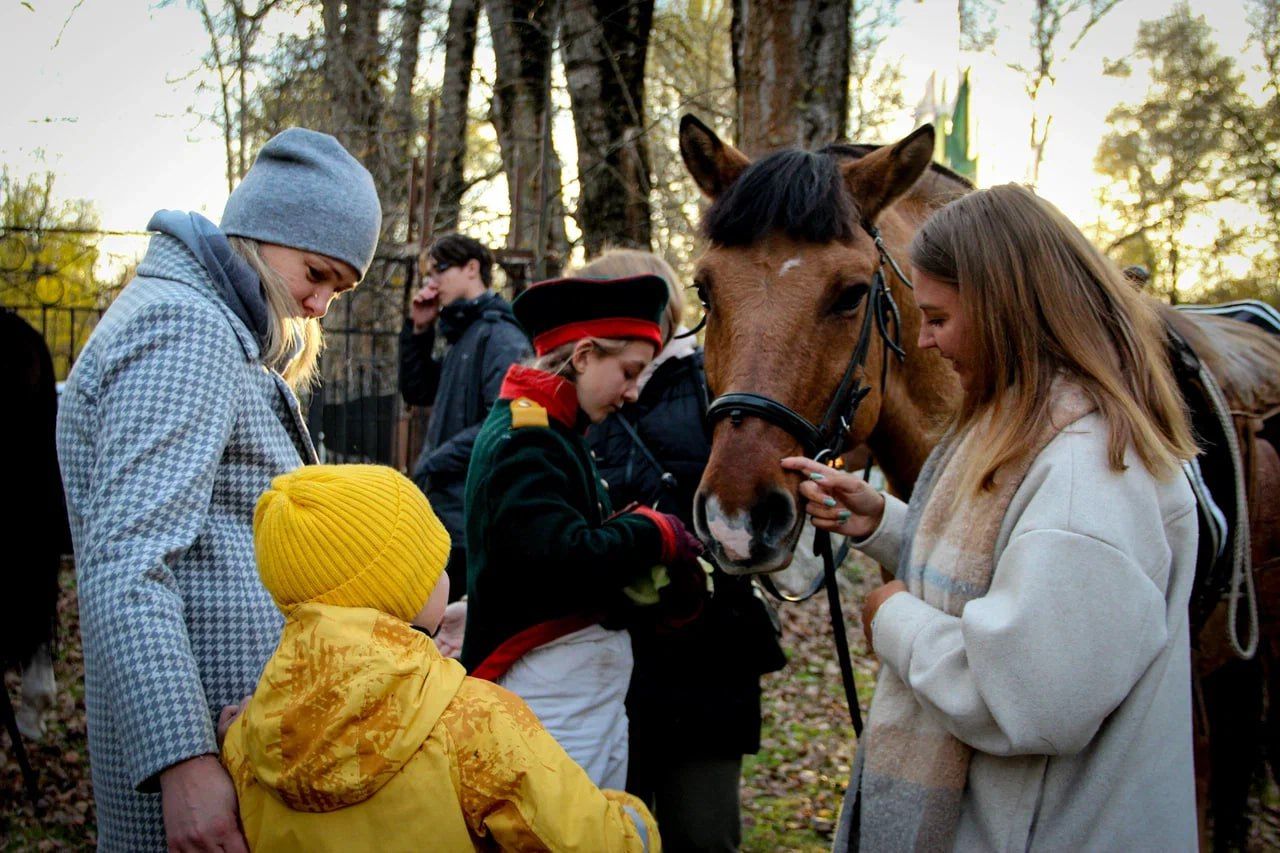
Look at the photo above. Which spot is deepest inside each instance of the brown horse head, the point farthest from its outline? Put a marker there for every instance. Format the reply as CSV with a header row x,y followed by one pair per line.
x,y
784,282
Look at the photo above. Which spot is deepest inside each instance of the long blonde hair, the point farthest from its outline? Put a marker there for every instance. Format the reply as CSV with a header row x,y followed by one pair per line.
x,y
1041,300
620,263
298,364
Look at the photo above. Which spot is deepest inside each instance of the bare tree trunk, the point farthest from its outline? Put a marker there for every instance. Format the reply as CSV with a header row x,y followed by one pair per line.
x,y
401,143
604,43
1039,139
243,42
523,35
451,133
406,67
1046,27
791,70
224,86
353,66
1048,34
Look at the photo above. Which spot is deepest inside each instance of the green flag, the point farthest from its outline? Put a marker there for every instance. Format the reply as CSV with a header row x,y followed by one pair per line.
x,y
956,151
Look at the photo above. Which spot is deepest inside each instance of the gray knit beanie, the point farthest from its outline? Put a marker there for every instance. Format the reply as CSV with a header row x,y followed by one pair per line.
x,y
307,192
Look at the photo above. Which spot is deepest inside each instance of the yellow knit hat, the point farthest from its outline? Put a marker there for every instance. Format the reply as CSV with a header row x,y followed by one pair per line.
x,y
351,535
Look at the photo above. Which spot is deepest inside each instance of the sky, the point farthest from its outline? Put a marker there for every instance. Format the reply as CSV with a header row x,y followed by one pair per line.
x,y
106,94
105,107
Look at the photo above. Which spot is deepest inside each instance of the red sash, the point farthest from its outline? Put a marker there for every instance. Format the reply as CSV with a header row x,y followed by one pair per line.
x,y
515,647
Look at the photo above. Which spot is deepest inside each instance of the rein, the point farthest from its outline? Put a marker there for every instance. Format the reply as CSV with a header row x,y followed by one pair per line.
x,y
829,438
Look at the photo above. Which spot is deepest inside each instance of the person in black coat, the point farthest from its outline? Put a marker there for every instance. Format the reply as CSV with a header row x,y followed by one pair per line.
x,y
694,701
455,348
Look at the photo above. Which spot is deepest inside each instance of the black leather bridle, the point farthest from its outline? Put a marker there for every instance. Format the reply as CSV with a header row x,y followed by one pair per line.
x,y
828,439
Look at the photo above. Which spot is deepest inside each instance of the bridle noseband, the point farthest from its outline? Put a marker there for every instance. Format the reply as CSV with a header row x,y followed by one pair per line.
x,y
829,438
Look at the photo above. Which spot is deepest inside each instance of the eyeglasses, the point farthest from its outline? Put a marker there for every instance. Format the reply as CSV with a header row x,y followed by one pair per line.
x,y
440,266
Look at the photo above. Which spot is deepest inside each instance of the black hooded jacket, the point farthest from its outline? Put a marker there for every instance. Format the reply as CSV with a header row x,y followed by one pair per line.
x,y
482,340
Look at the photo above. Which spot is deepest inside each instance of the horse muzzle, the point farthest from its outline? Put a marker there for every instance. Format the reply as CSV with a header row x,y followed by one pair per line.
x,y
751,540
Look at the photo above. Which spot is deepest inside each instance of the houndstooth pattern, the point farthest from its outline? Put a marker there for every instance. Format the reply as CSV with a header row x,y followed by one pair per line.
x,y
169,429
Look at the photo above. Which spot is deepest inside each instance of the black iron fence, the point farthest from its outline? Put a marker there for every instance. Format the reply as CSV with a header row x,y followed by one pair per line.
x,y
355,414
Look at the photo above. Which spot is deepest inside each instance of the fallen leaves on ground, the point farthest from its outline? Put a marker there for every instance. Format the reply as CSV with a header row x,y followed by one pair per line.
x,y
791,791
63,818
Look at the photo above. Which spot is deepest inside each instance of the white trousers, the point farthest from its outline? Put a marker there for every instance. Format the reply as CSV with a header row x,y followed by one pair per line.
x,y
577,686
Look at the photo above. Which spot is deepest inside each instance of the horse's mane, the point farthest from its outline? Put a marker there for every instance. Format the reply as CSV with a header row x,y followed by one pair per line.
x,y
800,193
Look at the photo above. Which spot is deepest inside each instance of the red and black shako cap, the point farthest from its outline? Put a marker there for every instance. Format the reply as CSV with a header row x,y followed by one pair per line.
x,y
564,310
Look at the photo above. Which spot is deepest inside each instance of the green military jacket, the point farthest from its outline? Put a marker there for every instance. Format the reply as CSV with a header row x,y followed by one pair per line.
x,y
545,553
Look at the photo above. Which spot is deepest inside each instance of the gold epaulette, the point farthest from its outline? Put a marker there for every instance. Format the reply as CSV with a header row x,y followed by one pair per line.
x,y
526,413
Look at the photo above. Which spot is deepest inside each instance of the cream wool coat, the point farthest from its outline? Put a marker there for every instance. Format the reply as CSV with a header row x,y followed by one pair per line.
x,y
1071,676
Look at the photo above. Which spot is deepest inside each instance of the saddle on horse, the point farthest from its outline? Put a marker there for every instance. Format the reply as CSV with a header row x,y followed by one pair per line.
x,y
1226,359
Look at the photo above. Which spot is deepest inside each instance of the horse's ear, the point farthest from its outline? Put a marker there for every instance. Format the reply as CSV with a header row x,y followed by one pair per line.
x,y
885,174
713,164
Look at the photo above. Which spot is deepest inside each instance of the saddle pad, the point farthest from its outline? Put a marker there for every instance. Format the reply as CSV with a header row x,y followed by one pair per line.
x,y
1250,311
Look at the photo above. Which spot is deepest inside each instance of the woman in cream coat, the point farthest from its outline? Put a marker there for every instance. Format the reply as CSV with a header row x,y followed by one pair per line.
x,y
1034,690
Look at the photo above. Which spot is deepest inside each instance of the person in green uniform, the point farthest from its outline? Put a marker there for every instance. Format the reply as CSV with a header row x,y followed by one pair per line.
x,y
548,558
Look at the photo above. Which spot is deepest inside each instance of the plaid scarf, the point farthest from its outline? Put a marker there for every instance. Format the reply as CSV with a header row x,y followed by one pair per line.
x,y
913,771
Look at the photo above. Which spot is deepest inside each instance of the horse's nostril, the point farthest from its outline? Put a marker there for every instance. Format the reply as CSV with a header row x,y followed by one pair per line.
x,y
773,516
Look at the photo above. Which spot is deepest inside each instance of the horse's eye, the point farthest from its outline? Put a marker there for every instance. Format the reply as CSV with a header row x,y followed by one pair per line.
x,y
704,294
849,300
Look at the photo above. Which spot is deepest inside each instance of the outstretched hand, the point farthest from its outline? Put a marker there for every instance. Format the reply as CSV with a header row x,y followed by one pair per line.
x,y
678,544
837,501
687,546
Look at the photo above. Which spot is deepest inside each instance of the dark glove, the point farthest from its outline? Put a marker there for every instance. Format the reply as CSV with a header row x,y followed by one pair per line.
x,y
678,544
688,547
682,600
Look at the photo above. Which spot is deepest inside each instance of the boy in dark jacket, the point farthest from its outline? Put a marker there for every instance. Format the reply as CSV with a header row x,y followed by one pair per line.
x,y
456,346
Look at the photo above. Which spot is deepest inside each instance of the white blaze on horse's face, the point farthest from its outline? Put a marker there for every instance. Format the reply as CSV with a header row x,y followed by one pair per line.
x,y
735,542
731,530
788,265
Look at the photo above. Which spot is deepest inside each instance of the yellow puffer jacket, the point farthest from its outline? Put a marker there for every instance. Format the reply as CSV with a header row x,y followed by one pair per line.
x,y
360,736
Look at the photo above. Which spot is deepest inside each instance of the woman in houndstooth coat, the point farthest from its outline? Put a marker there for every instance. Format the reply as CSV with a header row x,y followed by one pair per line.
x,y
177,415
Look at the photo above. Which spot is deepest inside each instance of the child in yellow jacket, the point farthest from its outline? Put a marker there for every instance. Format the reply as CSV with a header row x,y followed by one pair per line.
x,y
360,735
